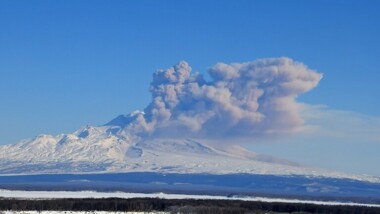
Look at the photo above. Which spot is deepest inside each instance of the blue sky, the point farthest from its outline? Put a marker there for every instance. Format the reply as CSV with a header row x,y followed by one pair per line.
x,y
65,64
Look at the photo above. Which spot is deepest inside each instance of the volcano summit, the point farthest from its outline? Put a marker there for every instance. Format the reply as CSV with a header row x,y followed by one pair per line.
x,y
191,126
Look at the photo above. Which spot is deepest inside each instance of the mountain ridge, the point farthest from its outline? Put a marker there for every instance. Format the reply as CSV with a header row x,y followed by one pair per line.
x,y
111,148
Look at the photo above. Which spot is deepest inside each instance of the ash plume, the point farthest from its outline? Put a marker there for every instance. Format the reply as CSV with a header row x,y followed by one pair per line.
x,y
241,100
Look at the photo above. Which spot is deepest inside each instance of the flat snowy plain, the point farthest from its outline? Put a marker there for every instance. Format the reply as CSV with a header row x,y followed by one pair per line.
x,y
91,194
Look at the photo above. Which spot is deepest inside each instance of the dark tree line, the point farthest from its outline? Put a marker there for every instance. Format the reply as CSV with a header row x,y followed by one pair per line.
x,y
175,206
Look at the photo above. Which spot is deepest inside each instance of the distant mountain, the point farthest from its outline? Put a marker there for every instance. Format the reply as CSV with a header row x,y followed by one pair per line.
x,y
110,148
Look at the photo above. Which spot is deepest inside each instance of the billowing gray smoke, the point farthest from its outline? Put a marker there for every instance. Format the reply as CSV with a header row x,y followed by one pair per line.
x,y
242,99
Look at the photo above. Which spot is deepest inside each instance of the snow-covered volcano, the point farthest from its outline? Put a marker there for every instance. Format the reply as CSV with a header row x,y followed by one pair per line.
x,y
172,134
109,148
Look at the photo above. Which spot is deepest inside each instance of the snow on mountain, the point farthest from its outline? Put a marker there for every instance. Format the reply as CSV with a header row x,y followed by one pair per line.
x,y
240,100
110,148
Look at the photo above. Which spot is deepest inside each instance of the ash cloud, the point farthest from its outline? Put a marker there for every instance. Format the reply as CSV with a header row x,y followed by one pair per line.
x,y
241,100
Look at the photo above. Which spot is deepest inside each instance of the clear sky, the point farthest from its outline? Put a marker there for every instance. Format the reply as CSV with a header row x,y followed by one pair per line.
x,y
65,64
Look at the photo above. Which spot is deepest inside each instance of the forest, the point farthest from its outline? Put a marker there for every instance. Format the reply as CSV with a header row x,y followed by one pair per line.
x,y
175,206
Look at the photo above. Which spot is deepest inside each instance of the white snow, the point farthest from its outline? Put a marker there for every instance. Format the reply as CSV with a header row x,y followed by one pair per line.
x,y
91,194
105,149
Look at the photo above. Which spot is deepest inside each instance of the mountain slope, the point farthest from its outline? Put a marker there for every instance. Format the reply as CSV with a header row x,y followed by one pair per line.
x,y
110,148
